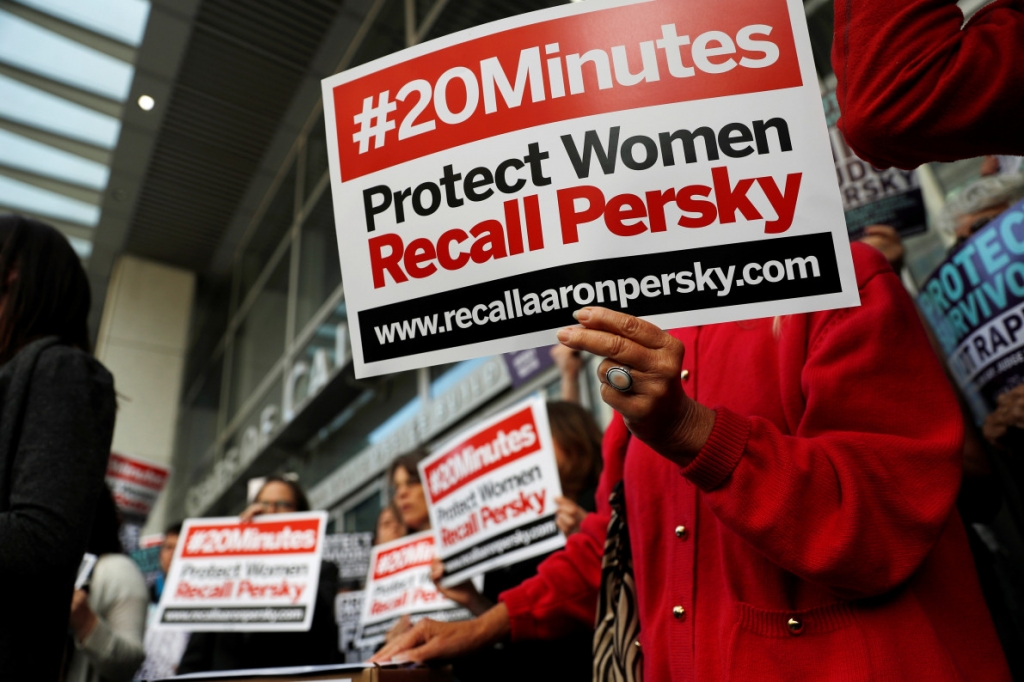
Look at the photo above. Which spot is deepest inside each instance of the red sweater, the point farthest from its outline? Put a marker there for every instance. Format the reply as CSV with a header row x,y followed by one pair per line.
x,y
915,87
825,493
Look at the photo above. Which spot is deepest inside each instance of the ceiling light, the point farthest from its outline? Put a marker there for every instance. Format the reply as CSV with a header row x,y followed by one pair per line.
x,y
146,103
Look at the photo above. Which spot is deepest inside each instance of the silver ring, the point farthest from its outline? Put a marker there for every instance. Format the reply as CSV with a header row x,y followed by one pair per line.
x,y
619,378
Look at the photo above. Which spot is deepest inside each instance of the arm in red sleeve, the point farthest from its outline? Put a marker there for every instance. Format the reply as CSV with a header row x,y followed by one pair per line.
x,y
913,86
857,496
563,595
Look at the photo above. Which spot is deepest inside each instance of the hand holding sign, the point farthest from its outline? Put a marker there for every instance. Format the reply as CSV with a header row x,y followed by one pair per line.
x,y
655,409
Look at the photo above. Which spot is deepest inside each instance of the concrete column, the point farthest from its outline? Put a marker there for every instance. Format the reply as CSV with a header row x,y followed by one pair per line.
x,y
142,340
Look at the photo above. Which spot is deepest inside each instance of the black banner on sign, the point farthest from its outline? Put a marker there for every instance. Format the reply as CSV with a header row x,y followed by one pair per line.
x,y
651,284
226,615
509,541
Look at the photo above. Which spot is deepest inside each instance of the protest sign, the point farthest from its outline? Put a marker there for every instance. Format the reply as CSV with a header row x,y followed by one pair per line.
x,y
348,608
491,493
974,302
524,365
666,158
873,196
135,483
232,576
399,584
350,552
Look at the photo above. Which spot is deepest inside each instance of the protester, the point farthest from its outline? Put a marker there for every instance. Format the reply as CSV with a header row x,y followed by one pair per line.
x,y
56,424
407,490
167,547
820,489
164,646
577,441
569,363
108,620
389,525
887,240
209,651
916,85
978,203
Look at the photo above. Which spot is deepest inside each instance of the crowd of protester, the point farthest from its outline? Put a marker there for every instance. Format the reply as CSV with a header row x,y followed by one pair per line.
x,y
840,489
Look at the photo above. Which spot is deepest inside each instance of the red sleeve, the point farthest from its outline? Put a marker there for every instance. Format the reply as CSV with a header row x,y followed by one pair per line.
x,y
913,86
857,497
563,595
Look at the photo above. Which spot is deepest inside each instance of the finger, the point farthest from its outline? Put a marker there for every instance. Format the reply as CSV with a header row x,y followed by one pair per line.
x,y
619,348
406,640
621,324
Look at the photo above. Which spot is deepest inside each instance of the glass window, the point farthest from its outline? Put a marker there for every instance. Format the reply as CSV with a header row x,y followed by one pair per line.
x,y
362,518
21,196
318,360
259,340
319,267
43,52
209,322
268,234
33,107
316,155
35,157
123,20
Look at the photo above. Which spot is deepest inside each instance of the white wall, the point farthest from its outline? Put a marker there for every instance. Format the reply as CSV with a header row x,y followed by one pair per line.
x,y
142,341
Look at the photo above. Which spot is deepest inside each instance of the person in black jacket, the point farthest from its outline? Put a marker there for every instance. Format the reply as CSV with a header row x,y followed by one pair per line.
x,y
209,651
57,411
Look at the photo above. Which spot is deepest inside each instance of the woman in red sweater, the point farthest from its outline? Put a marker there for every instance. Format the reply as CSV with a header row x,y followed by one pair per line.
x,y
789,504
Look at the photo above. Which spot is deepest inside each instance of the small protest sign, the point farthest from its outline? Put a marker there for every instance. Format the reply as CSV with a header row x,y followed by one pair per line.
x,y
974,302
350,552
135,483
232,576
491,493
524,365
667,159
399,584
348,608
873,196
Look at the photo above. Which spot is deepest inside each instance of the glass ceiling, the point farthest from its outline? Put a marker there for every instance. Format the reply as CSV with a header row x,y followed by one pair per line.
x,y
45,170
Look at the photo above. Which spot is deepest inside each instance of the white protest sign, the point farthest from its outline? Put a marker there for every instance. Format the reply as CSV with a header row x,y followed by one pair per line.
x,y
873,196
135,483
260,576
399,584
491,493
350,552
666,158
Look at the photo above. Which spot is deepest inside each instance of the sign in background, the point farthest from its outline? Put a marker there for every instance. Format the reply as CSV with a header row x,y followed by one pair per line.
x,y
974,302
135,484
350,552
872,196
399,584
668,159
524,365
259,576
491,493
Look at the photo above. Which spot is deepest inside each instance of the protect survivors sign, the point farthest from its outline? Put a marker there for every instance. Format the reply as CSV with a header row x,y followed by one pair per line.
x,y
233,576
873,196
491,493
974,302
666,158
399,584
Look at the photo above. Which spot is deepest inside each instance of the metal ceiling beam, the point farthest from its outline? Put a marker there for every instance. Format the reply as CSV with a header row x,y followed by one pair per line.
x,y
72,191
76,147
68,228
90,100
96,41
428,21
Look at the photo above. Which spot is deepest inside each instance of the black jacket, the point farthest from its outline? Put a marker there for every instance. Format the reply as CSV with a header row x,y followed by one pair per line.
x,y
57,411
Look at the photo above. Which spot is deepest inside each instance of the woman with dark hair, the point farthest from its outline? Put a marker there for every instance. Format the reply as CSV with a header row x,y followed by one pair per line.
x,y
208,651
577,441
57,411
108,620
407,490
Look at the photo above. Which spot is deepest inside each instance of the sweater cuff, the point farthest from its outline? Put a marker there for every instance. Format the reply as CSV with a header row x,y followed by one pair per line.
x,y
100,641
519,601
721,453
